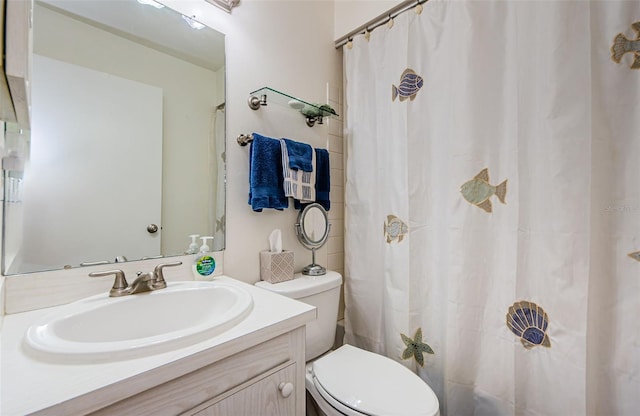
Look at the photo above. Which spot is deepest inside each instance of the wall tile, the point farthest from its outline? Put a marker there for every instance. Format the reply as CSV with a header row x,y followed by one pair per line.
x,y
336,160
335,245
335,261
337,177
337,228
337,194
335,127
335,144
337,211
334,93
341,305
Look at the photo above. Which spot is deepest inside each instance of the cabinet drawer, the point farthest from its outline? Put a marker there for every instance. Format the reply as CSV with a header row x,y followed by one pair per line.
x,y
272,394
207,383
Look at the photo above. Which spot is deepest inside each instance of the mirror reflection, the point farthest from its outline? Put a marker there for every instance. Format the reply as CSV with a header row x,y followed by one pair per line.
x,y
125,154
314,225
312,230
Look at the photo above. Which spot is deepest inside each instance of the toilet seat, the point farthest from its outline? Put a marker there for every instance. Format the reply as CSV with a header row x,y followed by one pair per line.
x,y
358,382
346,410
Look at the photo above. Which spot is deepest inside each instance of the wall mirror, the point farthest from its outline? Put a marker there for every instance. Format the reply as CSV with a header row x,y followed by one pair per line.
x,y
312,230
125,157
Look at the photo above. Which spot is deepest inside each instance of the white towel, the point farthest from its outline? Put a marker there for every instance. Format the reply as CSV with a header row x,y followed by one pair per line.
x,y
298,184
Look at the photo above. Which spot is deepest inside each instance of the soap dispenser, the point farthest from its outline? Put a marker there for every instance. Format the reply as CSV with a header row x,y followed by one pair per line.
x,y
204,264
193,247
204,248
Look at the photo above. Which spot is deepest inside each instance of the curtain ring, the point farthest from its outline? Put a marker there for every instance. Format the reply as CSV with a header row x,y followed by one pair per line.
x,y
349,44
390,22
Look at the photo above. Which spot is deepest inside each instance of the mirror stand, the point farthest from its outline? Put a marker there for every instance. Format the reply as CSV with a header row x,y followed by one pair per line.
x,y
313,221
314,269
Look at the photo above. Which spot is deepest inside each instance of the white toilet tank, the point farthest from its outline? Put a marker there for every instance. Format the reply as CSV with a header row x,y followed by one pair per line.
x,y
323,292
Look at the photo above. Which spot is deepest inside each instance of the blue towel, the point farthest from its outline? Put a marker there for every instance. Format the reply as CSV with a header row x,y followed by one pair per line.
x,y
265,174
299,155
323,181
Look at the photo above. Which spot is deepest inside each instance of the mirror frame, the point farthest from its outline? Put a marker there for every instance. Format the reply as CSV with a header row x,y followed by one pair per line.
x,y
303,235
312,269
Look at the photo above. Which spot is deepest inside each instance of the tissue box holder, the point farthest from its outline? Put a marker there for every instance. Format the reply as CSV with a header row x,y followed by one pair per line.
x,y
276,267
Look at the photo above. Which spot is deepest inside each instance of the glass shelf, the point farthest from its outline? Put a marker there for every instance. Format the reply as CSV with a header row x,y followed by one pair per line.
x,y
312,112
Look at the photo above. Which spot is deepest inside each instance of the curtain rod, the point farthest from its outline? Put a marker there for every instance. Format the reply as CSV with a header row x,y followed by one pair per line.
x,y
380,20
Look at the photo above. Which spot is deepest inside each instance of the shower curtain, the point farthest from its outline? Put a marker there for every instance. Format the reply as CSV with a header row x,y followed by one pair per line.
x,y
217,169
492,203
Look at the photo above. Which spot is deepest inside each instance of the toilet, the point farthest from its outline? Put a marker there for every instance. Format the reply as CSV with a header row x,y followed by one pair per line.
x,y
349,380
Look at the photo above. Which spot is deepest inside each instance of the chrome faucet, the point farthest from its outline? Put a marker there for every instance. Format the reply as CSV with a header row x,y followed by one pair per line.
x,y
145,282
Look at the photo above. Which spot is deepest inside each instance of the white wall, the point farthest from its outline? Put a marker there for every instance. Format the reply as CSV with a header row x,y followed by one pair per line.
x,y
266,47
350,14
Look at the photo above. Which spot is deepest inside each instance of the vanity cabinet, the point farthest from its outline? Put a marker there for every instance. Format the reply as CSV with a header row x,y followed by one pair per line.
x,y
264,379
269,395
255,368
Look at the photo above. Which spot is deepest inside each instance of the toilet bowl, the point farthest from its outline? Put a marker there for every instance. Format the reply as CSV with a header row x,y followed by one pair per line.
x,y
354,382
349,380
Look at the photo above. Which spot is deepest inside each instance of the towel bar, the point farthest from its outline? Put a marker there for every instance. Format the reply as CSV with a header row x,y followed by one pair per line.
x,y
244,139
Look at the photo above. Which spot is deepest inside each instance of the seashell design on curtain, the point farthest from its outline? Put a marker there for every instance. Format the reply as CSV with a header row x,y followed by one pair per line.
x,y
529,305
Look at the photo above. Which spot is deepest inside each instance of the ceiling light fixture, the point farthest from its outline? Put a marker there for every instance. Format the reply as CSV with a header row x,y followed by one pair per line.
x,y
225,5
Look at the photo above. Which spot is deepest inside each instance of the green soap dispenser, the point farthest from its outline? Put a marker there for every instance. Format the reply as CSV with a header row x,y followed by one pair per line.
x,y
204,264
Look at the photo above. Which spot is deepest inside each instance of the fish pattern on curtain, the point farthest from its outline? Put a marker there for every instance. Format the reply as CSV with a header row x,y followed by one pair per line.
x,y
497,143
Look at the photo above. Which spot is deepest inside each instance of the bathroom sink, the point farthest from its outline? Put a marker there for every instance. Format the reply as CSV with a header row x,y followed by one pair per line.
x,y
100,328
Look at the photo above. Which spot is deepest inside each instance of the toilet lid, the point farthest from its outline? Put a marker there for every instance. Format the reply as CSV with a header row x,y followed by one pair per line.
x,y
372,384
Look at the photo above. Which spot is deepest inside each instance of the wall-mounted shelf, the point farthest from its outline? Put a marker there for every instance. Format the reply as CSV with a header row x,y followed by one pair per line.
x,y
314,113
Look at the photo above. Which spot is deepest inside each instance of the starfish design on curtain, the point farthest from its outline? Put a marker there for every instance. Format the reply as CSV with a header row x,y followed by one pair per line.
x,y
635,255
415,347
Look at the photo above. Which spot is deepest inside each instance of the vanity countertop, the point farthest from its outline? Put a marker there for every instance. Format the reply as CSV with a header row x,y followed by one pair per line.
x,y
28,385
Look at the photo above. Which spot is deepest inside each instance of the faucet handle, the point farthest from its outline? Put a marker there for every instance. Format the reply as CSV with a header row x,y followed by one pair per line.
x,y
119,285
160,282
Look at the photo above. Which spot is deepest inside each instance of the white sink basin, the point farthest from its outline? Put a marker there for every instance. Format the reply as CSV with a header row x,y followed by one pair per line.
x,y
101,328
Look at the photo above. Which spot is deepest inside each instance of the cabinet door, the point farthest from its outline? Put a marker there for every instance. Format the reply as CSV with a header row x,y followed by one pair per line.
x,y
272,395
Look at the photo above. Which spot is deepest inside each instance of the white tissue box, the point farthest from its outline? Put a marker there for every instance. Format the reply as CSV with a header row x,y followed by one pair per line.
x,y
276,267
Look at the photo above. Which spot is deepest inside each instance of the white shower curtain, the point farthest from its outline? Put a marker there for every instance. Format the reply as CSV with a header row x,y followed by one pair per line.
x,y
492,203
217,169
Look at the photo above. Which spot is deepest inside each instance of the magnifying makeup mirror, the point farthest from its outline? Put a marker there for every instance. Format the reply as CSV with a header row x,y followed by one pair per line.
x,y
312,229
